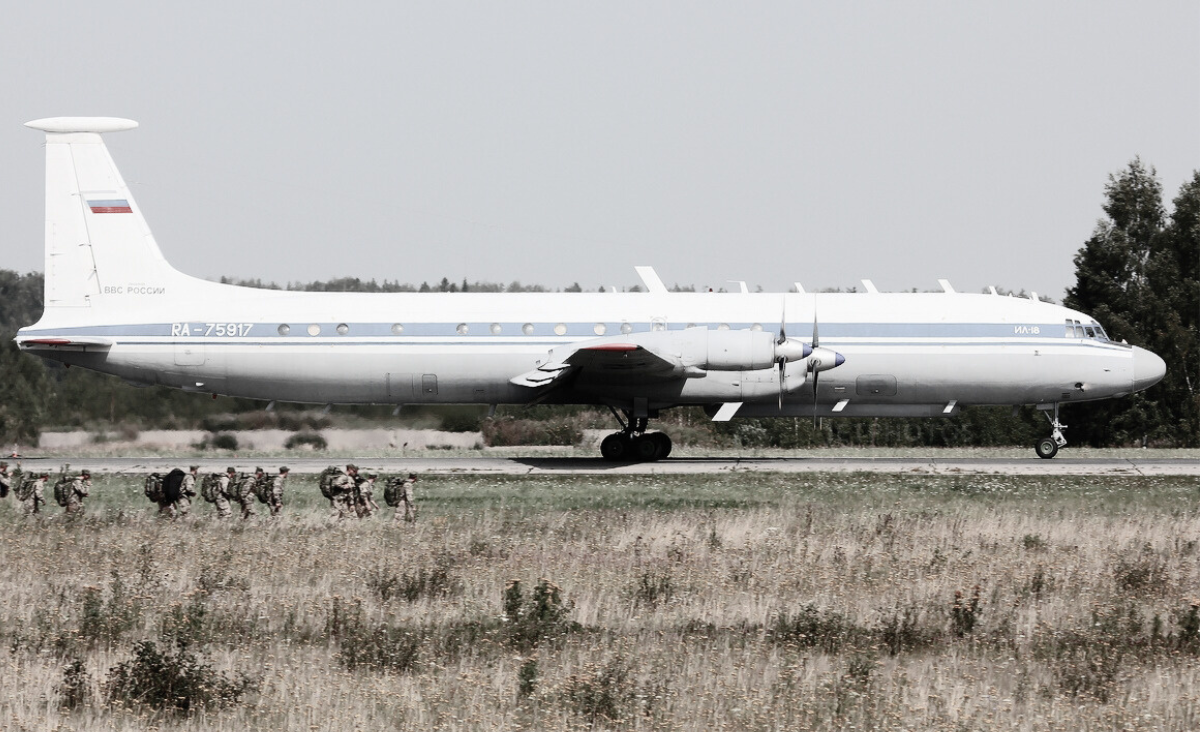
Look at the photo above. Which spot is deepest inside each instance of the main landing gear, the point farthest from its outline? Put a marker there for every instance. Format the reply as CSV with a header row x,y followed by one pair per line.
x,y
633,443
1047,447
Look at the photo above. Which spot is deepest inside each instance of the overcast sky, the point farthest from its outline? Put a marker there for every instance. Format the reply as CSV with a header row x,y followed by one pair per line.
x,y
558,142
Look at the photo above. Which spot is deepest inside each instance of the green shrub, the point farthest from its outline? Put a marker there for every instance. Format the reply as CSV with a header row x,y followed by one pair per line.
x,y
901,630
75,689
543,616
812,628
106,621
177,683
508,431
313,440
427,582
654,588
603,693
964,613
361,644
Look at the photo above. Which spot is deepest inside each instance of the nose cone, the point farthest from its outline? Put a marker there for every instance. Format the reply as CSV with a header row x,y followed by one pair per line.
x,y
1148,369
792,350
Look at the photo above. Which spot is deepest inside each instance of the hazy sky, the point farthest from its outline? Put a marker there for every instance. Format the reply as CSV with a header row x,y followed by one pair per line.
x,y
560,142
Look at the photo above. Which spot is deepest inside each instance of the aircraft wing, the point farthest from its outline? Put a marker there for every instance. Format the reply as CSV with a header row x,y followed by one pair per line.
x,y
599,361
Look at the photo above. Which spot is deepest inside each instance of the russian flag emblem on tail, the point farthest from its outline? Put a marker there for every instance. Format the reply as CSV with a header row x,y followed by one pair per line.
x,y
118,205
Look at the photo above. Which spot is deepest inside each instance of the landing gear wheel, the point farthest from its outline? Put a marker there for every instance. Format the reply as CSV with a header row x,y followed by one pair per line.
x,y
1046,448
647,448
616,447
664,443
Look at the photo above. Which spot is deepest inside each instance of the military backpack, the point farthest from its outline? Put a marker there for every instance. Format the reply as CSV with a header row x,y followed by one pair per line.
x,y
24,487
210,486
326,481
172,485
262,489
393,491
62,490
154,487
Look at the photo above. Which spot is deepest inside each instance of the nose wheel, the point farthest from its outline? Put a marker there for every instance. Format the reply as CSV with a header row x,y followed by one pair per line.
x,y
1047,447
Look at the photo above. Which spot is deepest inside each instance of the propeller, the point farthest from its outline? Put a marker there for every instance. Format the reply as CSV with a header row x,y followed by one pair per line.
x,y
814,362
820,360
787,350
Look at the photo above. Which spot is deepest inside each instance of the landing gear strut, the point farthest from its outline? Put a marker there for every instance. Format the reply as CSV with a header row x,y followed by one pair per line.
x,y
1047,447
633,443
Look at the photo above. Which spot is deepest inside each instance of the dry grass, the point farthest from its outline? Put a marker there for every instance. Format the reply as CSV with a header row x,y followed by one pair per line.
x,y
743,602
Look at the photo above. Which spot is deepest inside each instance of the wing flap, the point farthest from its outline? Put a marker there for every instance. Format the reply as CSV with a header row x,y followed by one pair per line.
x,y
64,344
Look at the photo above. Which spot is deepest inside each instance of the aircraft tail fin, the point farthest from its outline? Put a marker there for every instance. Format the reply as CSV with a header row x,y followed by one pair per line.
x,y
99,249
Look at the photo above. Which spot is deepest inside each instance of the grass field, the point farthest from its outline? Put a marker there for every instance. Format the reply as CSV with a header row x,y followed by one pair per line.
x,y
736,601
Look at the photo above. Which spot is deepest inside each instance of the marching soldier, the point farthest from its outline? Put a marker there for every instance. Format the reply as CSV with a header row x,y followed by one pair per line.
x,y
30,494
406,500
365,504
187,491
244,492
345,485
6,478
275,494
79,489
226,486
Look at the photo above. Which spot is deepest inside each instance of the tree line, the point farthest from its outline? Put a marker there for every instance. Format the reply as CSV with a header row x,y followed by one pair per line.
x,y
1138,275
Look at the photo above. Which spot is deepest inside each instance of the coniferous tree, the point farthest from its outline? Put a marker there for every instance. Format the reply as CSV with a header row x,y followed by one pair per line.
x,y
1131,275
1173,301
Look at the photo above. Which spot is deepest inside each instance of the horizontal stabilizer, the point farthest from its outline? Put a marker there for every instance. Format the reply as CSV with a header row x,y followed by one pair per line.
x,y
61,125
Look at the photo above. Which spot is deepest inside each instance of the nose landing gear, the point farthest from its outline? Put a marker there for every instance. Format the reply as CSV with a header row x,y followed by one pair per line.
x,y
1047,447
633,443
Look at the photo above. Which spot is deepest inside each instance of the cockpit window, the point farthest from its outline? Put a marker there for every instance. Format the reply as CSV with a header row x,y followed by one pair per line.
x,y
1091,333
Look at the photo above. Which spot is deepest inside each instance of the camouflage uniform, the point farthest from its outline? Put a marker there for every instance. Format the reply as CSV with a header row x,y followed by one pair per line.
x,y
6,478
276,492
406,500
343,499
80,487
244,492
187,491
33,503
226,485
365,504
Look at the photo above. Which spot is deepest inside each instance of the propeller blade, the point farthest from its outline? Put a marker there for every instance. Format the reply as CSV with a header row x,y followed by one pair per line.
x,y
781,363
815,374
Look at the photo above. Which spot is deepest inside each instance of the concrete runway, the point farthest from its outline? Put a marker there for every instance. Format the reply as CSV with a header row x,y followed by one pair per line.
x,y
484,465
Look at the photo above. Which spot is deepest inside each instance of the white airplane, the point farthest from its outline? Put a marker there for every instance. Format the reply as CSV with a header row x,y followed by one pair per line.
x,y
114,304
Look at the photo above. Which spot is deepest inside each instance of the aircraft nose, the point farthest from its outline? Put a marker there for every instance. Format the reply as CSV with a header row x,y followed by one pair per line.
x,y
1148,369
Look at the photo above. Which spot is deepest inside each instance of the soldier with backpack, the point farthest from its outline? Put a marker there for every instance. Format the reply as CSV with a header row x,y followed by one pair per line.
x,y
187,491
6,478
365,504
29,493
224,486
275,494
244,491
405,500
344,488
75,490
